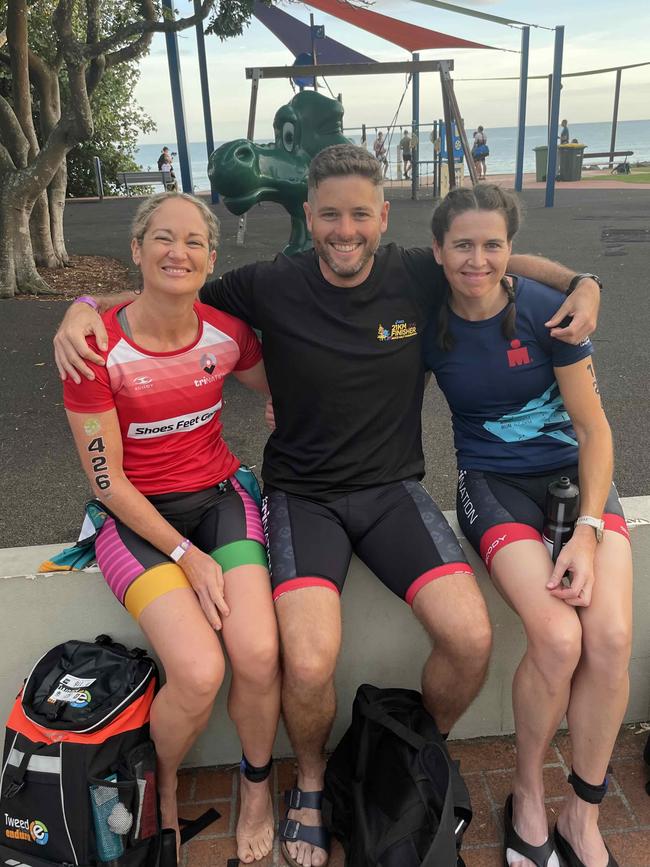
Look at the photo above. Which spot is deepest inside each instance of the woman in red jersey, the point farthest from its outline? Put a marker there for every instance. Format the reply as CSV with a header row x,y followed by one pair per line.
x,y
182,547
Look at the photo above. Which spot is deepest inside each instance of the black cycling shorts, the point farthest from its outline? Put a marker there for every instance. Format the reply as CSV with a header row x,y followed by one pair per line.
x,y
495,510
395,529
223,520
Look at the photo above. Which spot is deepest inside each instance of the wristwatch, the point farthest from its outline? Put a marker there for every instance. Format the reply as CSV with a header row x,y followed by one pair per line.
x,y
597,523
180,549
578,277
87,299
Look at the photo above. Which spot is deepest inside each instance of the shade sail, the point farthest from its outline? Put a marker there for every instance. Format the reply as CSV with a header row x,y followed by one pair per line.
x,y
297,37
408,36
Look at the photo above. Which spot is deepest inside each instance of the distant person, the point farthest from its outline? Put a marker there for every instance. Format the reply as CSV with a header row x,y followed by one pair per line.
x,y
380,151
479,152
165,165
407,156
564,133
164,158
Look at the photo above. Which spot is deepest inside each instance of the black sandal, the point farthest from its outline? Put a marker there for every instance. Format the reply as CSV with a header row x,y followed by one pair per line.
x,y
539,855
593,795
291,831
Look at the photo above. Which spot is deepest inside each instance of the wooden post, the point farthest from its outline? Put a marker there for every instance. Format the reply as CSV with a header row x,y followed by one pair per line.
x,y
612,144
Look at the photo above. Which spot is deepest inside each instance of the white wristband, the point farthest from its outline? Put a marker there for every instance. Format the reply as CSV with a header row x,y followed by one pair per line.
x,y
180,549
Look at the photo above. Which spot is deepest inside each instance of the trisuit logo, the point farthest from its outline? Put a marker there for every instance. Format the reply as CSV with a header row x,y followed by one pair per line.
x,y
518,354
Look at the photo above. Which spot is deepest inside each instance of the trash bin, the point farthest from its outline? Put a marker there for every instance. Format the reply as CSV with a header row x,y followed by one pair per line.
x,y
570,161
541,158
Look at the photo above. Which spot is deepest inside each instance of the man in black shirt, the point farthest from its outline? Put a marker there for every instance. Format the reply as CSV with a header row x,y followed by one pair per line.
x,y
341,331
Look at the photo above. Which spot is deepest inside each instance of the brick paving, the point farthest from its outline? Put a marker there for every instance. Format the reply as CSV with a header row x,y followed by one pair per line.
x,y
487,765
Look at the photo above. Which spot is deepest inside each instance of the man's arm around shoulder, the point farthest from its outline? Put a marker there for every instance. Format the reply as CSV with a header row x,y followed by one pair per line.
x,y
71,350
581,305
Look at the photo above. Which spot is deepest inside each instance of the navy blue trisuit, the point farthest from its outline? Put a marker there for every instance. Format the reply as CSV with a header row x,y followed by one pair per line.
x,y
512,432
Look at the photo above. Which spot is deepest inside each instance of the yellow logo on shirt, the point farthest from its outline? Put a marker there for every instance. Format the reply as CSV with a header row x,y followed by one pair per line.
x,y
397,331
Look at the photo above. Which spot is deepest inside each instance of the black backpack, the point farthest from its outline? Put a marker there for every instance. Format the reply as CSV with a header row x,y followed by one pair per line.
x,y
393,797
78,781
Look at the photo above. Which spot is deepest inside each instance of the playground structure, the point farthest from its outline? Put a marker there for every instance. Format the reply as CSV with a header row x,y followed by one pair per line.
x,y
246,173
300,39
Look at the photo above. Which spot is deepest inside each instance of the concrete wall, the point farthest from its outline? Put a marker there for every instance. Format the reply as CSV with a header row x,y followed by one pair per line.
x,y
382,643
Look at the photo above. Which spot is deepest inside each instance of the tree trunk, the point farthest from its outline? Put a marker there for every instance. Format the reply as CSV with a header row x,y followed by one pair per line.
x,y
7,265
39,223
18,274
56,195
28,280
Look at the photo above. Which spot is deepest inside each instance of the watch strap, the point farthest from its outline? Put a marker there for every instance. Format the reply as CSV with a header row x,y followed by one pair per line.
x,y
183,546
87,299
578,277
597,523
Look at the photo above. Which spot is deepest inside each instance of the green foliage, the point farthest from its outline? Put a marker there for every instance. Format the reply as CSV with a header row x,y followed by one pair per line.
x,y
230,17
118,121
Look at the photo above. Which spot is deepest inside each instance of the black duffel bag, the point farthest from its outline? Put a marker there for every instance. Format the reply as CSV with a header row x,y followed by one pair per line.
x,y
393,797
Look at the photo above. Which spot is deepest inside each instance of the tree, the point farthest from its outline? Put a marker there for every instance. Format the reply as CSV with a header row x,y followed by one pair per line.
x,y
86,39
118,121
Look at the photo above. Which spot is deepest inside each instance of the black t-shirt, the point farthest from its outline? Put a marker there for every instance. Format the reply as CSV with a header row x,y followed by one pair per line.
x,y
344,366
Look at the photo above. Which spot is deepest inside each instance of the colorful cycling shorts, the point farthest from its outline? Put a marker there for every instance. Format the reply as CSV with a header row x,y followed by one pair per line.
x,y
395,529
224,521
496,510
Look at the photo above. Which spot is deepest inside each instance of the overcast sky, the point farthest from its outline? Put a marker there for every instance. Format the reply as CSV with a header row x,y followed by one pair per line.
x,y
598,34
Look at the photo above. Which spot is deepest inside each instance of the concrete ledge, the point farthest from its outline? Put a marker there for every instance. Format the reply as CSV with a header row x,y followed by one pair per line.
x,y
382,643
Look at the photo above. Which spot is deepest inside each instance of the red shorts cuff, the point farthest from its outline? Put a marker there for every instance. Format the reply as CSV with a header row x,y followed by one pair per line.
x,y
433,574
500,535
299,583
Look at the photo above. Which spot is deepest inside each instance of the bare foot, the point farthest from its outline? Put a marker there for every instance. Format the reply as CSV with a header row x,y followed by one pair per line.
x,y
255,825
578,824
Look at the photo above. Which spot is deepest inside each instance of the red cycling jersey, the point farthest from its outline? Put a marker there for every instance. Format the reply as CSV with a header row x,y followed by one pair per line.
x,y
169,403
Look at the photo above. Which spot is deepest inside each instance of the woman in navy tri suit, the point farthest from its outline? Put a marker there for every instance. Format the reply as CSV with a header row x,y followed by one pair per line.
x,y
526,410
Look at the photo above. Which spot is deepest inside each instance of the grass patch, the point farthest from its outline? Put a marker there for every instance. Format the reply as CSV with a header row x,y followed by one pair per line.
x,y
635,177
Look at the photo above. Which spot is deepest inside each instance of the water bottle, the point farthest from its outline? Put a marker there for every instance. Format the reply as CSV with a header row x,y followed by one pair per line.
x,y
560,513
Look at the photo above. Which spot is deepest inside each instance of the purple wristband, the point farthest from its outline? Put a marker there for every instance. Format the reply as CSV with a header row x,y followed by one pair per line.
x,y
87,299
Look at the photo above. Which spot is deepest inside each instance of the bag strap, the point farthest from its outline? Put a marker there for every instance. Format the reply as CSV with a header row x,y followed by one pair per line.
x,y
381,716
443,848
14,776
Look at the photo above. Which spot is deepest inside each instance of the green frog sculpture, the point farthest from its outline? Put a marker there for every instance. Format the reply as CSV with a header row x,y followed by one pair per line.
x,y
245,173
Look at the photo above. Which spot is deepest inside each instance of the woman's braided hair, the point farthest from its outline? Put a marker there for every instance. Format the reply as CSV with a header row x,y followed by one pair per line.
x,y
482,197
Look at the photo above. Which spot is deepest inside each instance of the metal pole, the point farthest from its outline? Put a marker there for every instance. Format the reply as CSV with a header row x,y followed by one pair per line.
x,y
173,61
523,93
255,83
617,92
98,178
436,175
205,90
415,131
314,59
551,166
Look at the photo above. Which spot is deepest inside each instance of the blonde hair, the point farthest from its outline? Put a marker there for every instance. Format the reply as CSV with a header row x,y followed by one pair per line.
x,y
150,206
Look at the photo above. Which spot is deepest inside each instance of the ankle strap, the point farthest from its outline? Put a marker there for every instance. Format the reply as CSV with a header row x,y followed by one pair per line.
x,y
255,775
586,791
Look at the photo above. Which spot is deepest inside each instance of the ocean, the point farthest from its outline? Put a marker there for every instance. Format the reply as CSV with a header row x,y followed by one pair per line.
x,y
631,135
